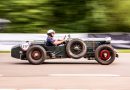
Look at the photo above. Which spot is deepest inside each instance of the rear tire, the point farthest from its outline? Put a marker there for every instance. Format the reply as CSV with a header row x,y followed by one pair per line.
x,y
105,54
76,48
36,55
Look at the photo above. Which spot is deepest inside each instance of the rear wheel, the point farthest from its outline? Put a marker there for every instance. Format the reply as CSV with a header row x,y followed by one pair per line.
x,y
105,54
36,54
76,48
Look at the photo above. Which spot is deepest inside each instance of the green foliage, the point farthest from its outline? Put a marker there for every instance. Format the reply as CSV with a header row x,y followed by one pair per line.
x,y
36,16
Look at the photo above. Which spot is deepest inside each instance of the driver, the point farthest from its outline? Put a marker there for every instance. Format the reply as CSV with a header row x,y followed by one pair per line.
x,y
50,39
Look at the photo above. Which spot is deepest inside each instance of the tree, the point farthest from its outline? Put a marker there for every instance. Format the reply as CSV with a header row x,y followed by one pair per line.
x,y
37,16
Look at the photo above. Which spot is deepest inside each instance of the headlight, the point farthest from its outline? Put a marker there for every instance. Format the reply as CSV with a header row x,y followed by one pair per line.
x,y
25,46
108,39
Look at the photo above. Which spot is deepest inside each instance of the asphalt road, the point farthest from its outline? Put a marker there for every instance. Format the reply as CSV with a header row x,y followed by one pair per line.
x,y
65,74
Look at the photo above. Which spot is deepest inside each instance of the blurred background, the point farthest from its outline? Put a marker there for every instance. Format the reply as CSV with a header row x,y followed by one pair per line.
x,y
66,16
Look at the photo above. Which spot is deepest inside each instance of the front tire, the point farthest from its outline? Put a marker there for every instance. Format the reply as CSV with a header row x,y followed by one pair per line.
x,y
105,54
36,55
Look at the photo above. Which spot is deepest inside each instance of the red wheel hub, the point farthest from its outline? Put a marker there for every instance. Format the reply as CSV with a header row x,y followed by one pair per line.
x,y
105,54
36,54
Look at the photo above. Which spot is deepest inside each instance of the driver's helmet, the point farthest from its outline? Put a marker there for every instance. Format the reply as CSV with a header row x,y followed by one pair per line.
x,y
50,31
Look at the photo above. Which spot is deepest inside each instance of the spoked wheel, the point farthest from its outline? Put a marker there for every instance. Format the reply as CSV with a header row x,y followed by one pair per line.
x,y
36,54
105,54
76,48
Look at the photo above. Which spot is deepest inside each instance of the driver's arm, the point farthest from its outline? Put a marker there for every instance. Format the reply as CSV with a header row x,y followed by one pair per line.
x,y
57,42
62,39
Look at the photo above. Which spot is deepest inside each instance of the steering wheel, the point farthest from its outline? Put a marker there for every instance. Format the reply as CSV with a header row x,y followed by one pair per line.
x,y
67,38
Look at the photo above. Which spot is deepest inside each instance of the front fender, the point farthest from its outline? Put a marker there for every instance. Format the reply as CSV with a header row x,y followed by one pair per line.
x,y
16,52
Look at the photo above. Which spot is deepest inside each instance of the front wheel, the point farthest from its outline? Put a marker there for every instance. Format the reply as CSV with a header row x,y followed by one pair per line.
x,y
105,54
36,54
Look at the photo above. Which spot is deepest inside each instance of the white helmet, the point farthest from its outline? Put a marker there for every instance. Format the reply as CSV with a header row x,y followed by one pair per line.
x,y
51,31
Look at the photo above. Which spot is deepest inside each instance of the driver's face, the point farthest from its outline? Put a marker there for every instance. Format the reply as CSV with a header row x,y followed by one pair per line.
x,y
53,34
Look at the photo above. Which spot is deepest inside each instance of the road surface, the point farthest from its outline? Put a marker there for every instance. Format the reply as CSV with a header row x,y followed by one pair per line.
x,y
60,74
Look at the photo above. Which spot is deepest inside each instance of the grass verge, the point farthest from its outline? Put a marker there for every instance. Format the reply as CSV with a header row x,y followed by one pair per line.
x,y
123,50
4,51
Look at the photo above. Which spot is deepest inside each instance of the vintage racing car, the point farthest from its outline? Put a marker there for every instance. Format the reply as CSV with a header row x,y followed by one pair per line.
x,y
37,52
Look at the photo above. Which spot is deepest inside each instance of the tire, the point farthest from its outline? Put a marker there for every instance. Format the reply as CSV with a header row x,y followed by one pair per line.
x,y
105,54
76,48
36,55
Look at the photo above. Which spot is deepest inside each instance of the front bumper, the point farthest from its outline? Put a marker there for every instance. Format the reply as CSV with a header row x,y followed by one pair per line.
x,y
117,55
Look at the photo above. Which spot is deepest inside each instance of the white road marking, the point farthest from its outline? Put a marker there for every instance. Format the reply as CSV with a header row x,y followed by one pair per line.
x,y
84,75
52,89
73,89
38,89
1,75
8,89
61,89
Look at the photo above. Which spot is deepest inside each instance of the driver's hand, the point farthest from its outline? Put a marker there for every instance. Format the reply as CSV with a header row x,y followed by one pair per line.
x,y
64,37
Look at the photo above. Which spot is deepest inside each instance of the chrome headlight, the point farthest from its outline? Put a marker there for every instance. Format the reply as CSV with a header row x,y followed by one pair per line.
x,y
25,46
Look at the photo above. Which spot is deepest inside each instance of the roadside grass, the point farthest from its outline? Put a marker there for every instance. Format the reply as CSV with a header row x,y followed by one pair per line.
x,y
4,51
123,50
118,51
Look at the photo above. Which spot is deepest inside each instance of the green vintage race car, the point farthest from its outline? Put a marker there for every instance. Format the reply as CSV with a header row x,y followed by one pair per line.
x,y
37,52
